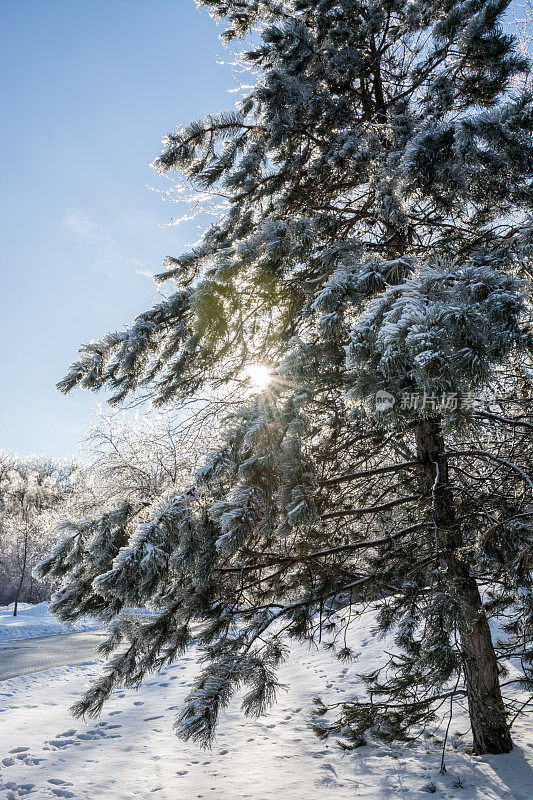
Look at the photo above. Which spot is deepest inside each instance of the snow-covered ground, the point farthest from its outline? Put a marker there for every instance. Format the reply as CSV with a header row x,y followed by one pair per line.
x,y
36,620
132,752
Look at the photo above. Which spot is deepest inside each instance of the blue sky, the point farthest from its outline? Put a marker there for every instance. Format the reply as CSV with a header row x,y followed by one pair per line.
x,y
90,87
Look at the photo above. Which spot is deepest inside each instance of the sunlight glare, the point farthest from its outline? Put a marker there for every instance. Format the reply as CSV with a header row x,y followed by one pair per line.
x,y
259,377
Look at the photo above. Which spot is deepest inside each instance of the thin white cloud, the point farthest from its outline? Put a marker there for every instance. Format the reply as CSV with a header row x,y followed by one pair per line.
x,y
109,259
84,226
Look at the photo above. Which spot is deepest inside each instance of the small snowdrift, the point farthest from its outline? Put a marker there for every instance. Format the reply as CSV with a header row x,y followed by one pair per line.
x,y
32,621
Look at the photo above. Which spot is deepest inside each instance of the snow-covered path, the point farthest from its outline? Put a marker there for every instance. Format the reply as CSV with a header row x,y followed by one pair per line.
x,y
23,656
36,621
131,752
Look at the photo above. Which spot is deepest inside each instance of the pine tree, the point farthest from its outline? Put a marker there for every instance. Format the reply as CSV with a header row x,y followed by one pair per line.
x,y
376,239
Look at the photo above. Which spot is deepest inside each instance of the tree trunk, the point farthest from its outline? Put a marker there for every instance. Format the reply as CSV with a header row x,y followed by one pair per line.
x,y
22,573
487,712
18,590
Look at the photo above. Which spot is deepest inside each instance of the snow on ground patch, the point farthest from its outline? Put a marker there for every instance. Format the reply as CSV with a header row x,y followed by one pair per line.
x,y
132,752
35,620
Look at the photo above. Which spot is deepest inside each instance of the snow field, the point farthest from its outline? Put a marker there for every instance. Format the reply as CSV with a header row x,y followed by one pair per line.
x,y
132,752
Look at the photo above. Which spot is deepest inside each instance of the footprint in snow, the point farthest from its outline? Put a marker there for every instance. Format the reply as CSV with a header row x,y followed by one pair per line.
x,y
21,789
23,757
62,793
138,703
91,736
29,759
59,743
321,754
182,772
19,750
59,782
150,719
114,713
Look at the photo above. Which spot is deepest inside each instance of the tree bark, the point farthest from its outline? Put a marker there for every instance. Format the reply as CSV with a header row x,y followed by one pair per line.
x,y
22,573
487,711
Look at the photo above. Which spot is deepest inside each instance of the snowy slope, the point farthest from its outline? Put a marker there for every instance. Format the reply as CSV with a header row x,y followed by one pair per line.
x,y
36,620
131,752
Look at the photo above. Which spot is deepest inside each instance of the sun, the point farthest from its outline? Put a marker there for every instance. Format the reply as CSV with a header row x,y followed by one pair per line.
x,y
259,376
